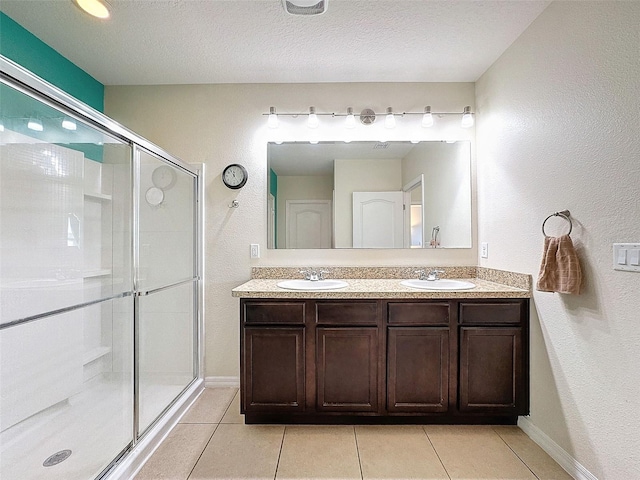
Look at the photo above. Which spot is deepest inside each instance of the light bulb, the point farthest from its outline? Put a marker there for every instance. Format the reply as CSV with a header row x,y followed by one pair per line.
x,y
350,121
95,8
313,121
35,125
390,119
467,118
272,121
69,124
427,118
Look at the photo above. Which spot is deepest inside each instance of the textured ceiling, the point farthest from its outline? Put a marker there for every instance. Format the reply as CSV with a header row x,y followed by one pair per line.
x,y
255,41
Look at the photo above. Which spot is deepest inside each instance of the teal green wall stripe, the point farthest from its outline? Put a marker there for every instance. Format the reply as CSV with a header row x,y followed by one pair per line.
x,y
29,51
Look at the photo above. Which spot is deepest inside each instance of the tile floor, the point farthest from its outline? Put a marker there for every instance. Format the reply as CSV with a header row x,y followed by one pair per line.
x,y
212,442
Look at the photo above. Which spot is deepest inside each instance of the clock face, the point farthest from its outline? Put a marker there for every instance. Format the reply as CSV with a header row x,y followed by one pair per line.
x,y
234,176
164,177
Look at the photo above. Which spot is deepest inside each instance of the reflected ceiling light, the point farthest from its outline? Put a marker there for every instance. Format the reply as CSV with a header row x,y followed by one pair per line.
x,y
95,8
313,121
1,127
427,118
35,124
272,122
390,119
278,141
313,142
350,121
467,118
69,124
415,141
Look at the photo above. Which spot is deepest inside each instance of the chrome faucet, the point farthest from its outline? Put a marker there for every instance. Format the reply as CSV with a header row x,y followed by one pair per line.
x,y
431,276
313,275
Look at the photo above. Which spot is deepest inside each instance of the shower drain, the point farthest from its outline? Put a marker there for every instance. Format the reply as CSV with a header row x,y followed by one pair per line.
x,y
57,458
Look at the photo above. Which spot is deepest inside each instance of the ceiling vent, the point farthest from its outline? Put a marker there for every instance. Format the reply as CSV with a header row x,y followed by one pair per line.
x,y
381,145
305,7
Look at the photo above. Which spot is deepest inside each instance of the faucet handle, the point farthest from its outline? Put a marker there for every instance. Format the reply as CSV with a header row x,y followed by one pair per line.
x,y
422,275
306,273
321,274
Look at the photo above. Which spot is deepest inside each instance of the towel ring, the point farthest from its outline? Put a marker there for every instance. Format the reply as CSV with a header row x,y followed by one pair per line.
x,y
564,214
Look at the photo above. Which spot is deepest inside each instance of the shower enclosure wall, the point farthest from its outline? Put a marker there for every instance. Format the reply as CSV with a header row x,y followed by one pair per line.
x,y
100,296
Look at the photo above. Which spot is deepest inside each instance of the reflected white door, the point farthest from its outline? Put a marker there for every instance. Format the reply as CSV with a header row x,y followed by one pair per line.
x,y
378,220
308,224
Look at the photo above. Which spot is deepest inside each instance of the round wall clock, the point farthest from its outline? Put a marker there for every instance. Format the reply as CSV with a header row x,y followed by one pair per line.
x,y
234,176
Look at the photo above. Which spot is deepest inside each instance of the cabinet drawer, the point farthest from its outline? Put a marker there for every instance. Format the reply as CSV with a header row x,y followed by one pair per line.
x,y
491,312
274,312
347,313
409,313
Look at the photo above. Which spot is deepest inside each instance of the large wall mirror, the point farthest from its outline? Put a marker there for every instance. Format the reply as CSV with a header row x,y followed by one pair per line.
x,y
369,195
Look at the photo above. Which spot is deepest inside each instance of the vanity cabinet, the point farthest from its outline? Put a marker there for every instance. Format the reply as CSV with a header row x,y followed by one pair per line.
x,y
418,367
494,357
272,357
418,361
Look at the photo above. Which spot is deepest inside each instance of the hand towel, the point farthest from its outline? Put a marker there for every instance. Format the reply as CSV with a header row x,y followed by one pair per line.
x,y
560,269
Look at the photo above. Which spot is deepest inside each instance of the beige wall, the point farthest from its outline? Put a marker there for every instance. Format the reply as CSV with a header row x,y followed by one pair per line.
x,y
447,193
558,129
360,176
222,124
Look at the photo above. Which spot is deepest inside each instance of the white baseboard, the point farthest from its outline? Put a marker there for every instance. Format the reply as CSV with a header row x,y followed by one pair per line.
x,y
213,382
555,451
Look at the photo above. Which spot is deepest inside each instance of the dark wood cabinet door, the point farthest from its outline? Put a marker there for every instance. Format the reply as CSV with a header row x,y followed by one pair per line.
x,y
417,369
491,370
273,370
347,369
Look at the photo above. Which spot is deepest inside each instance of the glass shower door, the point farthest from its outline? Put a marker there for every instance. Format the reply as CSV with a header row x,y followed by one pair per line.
x,y
66,305
166,285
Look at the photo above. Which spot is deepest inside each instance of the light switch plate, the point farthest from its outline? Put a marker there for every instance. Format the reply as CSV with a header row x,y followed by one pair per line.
x,y
626,257
484,250
255,250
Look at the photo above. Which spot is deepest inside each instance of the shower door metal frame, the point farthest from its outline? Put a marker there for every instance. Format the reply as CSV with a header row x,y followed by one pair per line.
x,y
137,292
22,80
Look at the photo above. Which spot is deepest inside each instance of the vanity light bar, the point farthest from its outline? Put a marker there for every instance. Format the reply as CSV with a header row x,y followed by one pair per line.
x,y
313,122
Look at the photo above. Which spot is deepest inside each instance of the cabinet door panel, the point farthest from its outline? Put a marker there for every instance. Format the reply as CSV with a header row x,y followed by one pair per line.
x,y
490,369
273,373
418,369
347,369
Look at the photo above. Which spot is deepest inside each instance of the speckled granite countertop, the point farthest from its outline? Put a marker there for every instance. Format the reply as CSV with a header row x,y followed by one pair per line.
x,y
260,287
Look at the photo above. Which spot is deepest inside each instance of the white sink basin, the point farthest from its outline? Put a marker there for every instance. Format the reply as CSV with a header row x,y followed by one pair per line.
x,y
309,285
442,284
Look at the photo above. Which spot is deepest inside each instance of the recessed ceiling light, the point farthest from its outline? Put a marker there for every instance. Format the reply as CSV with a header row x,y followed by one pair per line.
x,y
95,8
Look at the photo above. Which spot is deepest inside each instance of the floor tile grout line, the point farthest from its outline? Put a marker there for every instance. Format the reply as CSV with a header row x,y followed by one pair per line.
x,y
228,406
284,432
355,436
205,447
515,453
436,452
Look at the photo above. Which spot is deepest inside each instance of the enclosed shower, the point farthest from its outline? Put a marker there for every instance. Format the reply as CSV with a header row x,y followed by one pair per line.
x,y
100,286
